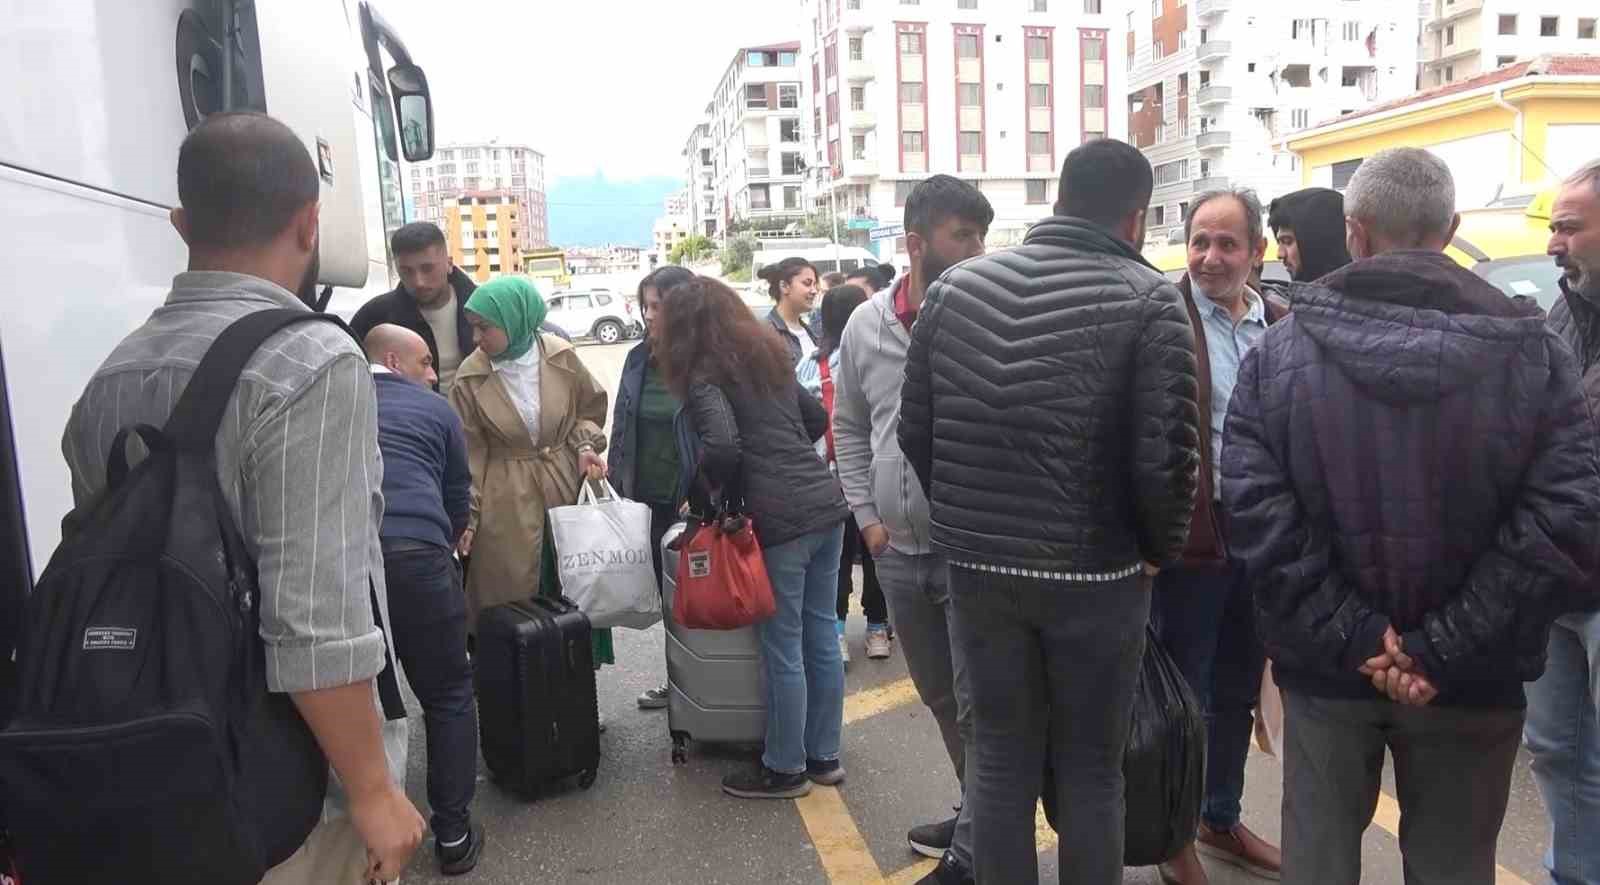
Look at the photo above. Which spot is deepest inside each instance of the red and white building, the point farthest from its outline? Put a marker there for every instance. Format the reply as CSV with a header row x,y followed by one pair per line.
x,y
992,91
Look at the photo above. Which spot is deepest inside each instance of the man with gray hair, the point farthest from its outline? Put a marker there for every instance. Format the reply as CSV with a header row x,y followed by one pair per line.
x,y
1563,730
1201,606
1413,483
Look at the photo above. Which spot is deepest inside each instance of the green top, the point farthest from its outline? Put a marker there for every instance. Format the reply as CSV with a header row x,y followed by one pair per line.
x,y
513,305
657,478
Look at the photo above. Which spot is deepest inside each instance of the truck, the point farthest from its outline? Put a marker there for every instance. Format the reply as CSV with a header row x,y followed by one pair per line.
x,y
99,95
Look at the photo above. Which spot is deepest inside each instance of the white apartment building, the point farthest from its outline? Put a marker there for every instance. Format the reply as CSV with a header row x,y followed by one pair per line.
x,y
1464,38
996,92
1215,84
750,143
468,168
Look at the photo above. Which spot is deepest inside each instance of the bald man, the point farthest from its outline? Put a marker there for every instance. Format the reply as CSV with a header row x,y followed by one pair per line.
x,y
426,493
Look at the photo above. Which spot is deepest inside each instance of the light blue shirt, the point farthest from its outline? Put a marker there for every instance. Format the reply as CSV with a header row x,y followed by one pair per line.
x,y
1226,345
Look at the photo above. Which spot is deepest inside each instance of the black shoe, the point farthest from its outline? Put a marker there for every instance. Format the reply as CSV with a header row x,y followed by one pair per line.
x,y
948,872
827,774
761,782
933,840
459,859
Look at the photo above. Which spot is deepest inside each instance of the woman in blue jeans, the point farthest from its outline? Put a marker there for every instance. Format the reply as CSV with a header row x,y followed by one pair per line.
x,y
756,427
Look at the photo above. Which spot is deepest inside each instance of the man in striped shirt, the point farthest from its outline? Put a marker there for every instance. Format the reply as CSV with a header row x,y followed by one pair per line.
x,y
297,458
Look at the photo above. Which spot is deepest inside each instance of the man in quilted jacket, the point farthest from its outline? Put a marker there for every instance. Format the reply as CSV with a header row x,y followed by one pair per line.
x,y
1413,483
1049,413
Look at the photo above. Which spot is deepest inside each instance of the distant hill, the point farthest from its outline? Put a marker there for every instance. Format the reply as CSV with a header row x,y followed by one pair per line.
x,y
594,211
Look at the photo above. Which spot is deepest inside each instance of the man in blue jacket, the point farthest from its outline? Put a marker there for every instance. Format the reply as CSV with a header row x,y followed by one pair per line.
x,y
426,491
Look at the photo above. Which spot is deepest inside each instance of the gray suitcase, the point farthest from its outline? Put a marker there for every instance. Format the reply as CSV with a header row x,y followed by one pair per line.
x,y
716,686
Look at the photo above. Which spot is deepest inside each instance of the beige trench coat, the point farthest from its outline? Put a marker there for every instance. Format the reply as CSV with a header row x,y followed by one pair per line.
x,y
515,479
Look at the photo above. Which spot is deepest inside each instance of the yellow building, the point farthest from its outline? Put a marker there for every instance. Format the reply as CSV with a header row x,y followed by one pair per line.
x,y
486,232
1506,134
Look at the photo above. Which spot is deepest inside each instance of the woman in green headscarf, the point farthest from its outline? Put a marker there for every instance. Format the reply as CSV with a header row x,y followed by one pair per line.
x,y
533,416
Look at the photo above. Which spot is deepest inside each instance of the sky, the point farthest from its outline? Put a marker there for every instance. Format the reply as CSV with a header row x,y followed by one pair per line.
x,y
609,86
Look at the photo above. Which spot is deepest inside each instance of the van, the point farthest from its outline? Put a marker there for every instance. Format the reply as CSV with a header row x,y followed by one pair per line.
x,y
825,258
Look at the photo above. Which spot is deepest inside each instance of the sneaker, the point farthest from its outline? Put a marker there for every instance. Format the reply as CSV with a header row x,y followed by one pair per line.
x,y
877,643
463,856
761,782
933,840
1183,869
655,698
827,774
1241,848
948,872
844,650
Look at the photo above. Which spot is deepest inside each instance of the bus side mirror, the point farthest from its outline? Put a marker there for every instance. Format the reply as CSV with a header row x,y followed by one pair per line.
x,y
413,111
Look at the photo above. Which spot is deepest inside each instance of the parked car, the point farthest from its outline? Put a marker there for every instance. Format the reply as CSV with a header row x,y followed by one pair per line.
x,y
601,314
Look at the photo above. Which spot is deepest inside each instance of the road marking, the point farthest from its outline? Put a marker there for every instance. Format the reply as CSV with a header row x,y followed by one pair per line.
x,y
838,843
869,702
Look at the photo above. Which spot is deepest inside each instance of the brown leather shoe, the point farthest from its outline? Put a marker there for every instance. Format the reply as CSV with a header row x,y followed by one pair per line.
x,y
1241,848
1184,869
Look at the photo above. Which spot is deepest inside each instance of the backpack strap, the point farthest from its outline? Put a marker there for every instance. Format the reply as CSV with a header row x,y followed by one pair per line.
x,y
194,422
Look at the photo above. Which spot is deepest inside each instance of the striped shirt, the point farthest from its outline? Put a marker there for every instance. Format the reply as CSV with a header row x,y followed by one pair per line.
x,y
297,458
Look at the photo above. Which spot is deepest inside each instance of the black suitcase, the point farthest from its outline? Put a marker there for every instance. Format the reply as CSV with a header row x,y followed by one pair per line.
x,y
538,717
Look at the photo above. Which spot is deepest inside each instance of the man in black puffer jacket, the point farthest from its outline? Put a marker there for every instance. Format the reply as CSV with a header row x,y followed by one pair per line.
x,y
1049,410
1414,487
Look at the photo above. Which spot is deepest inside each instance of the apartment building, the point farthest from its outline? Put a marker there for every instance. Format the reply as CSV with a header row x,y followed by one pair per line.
x,y
1464,38
902,89
516,171
749,146
1214,85
486,232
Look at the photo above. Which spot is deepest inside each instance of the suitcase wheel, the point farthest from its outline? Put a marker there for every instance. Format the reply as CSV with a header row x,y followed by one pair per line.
x,y
586,779
680,748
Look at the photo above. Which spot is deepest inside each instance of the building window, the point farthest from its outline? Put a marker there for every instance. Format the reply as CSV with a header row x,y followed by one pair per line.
x,y
759,197
1300,118
856,53
1549,26
791,198
1449,75
1038,48
969,95
858,147
792,164
852,4
1352,32
1039,5
786,59
1094,97
1038,190
902,191
789,131
1091,7
1504,60
705,156
1038,143
789,96
858,98
911,93
1508,25
472,167
970,143
910,2
756,59
910,44
1343,172
1450,35
755,95
1090,135
911,142
1038,95
1586,28
1094,49
1158,216
966,45
1171,173
966,4
1183,212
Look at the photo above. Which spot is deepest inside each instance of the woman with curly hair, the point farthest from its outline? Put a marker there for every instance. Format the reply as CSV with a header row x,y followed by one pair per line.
x,y
756,426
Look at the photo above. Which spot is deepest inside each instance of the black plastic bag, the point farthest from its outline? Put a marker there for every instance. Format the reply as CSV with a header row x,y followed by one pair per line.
x,y
1164,765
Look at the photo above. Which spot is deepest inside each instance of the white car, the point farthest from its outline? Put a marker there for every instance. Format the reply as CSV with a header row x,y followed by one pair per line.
x,y
601,314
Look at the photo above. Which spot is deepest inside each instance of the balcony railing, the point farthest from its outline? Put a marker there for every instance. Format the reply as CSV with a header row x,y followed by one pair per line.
x,y
1209,95
1213,50
1214,139
1208,8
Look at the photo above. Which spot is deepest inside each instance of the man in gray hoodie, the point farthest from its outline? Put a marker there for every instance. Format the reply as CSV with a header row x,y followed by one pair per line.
x,y
946,220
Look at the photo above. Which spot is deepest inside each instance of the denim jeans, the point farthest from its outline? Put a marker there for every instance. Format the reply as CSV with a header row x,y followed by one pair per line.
x,y
1044,655
800,651
429,613
1452,776
918,592
1206,622
1563,735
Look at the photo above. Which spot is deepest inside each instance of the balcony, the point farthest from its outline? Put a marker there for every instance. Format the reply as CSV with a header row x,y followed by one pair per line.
x,y
1214,183
1209,8
1447,12
1216,139
861,121
859,71
1213,50
1209,95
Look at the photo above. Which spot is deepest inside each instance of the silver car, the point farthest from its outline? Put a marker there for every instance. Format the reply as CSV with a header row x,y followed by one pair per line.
x,y
601,314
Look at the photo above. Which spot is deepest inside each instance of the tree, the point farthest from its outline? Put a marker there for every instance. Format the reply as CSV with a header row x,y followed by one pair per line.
x,y
692,248
738,255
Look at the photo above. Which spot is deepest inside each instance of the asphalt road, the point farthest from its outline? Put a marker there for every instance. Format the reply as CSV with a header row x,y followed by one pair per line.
x,y
646,821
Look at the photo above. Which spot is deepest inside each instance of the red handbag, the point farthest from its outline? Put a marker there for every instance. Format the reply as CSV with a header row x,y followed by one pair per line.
x,y
722,576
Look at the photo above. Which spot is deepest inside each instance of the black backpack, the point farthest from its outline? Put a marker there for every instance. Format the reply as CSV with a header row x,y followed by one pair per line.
x,y
145,745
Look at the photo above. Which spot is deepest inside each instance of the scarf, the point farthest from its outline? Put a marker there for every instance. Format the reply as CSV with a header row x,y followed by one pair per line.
x,y
513,305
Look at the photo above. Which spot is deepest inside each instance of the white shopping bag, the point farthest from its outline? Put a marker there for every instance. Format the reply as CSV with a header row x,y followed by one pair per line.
x,y
603,557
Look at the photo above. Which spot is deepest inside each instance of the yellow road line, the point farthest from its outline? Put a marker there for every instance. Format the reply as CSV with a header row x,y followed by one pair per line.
x,y
870,702
911,874
838,843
